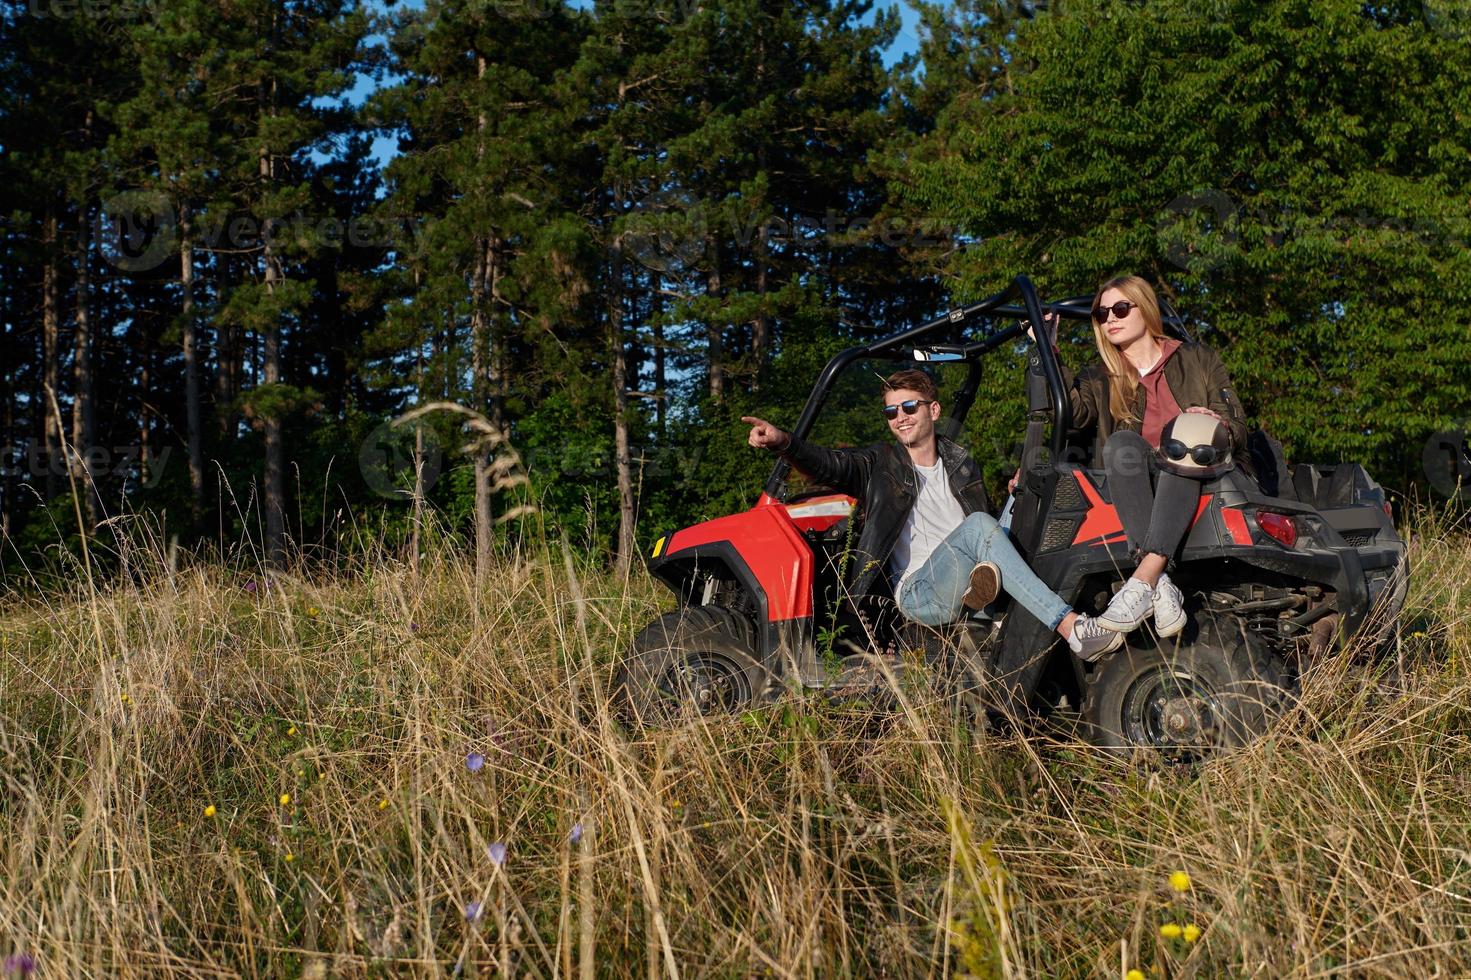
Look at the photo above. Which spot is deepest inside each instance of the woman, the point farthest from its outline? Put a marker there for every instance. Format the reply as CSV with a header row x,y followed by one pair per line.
x,y
1144,382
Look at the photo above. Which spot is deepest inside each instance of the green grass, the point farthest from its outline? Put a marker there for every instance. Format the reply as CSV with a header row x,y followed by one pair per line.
x,y
804,839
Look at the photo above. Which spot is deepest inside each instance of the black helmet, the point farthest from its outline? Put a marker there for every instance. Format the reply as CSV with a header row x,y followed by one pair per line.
x,y
1195,445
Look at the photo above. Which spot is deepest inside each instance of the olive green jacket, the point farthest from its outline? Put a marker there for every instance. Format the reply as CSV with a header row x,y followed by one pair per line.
x,y
1196,377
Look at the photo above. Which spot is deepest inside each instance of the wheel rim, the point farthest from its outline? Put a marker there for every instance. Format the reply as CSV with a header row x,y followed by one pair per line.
x,y
705,682
1173,711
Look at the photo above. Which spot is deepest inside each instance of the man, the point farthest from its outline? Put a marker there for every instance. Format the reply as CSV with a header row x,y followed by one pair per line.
x,y
926,520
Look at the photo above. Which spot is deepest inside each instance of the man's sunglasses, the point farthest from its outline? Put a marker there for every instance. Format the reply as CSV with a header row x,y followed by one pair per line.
x,y
910,407
1119,310
1203,455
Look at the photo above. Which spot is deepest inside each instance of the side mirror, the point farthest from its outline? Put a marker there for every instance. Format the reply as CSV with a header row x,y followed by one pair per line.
x,y
939,354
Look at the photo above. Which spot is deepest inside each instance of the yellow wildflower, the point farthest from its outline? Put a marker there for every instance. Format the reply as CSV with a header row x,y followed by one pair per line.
x,y
285,799
321,775
1192,933
1170,930
301,774
209,811
383,804
290,857
1134,975
291,730
1180,881
313,611
126,699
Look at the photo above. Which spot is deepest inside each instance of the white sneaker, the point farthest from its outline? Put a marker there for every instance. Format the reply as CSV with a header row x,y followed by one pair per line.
x,y
1131,605
1090,640
1169,608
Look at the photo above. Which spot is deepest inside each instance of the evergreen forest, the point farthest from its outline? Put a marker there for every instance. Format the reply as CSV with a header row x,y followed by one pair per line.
x,y
294,272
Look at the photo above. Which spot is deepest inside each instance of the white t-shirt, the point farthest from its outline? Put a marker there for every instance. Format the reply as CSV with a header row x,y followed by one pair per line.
x,y
935,514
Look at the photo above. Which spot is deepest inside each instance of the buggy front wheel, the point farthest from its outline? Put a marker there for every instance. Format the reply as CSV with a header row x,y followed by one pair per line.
x,y
695,661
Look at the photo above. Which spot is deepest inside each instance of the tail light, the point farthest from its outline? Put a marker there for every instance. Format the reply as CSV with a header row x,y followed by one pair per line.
x,y
1279,527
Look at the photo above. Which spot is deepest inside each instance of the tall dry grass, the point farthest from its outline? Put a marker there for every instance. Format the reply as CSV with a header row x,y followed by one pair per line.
x,y
332,723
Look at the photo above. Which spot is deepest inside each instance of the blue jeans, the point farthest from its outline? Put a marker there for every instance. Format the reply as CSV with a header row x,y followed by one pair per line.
x,y
932,594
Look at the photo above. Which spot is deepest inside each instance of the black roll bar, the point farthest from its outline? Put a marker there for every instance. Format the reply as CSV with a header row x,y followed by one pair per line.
x,y
1001,305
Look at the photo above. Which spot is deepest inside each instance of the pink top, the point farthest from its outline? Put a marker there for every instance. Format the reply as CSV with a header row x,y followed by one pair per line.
x,y
1159,402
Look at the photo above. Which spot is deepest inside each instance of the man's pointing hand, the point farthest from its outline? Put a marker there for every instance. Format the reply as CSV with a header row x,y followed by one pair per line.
x,y
764,435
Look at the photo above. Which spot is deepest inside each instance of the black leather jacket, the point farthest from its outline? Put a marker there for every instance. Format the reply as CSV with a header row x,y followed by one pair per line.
x,y
886,485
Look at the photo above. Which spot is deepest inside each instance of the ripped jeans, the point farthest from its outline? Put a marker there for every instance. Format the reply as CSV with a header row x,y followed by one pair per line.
x,y
932,594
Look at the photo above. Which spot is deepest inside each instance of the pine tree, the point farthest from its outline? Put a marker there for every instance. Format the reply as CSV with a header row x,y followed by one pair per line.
x,y
482,125
281,61
167,150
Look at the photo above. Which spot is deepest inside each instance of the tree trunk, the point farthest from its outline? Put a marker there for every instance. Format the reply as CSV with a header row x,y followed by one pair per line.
x,y
51,355
84,417
10,350
414,536
229,351
145,400
761,325
479,394
274,489
661,402
193,425
714,332
480,342
622,455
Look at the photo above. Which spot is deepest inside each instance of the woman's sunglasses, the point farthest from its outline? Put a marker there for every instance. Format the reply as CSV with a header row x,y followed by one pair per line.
x,y
910,407
1203,455
1119,310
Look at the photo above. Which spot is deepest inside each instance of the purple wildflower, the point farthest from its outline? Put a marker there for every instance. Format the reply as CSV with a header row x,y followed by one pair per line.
x,y
576,834
474,761
23,964
472,911
250,586
413,627
497,853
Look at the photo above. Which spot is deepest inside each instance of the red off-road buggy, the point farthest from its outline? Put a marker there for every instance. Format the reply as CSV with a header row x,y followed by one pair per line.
x,y
1277,567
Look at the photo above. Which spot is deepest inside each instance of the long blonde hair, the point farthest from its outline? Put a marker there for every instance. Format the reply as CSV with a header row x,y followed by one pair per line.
x,y
1123,378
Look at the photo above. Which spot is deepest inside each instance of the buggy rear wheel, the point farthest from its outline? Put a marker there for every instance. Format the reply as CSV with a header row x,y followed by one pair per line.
x,y
1216,689
695,661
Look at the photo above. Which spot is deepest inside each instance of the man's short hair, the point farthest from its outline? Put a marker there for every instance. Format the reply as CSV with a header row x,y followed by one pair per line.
x,y
912,379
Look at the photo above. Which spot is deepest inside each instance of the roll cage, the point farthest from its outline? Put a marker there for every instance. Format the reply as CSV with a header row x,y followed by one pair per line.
x,y
943,339
952,338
